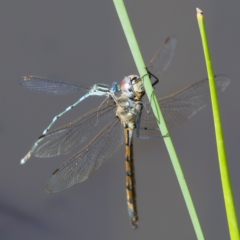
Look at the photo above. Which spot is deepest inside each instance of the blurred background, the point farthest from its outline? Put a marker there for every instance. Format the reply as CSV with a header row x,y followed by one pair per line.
x,y
83,41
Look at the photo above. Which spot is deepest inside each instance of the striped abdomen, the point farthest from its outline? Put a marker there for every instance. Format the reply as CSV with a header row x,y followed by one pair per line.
x,y
130,177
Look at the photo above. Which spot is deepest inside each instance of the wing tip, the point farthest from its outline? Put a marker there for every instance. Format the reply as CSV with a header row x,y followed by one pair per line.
x,y
222,81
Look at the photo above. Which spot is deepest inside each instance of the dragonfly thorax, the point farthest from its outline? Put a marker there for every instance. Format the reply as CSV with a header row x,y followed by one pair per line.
x,y
128,110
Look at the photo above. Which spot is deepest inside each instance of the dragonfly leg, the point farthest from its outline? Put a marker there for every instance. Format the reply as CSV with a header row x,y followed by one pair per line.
x,y
101,105
153,84
151,75
144,105
166,135
147,110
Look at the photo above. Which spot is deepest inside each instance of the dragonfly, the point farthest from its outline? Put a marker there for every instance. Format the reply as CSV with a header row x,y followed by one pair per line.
x,y
114,122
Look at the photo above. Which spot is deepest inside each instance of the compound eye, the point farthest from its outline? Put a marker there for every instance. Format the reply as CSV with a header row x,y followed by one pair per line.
x,y
126,87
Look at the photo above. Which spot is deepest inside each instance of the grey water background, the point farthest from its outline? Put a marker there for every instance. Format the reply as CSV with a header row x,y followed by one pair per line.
x,y
83,41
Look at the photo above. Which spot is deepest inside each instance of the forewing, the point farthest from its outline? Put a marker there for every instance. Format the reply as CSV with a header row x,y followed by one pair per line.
x,y
79,167
180,106
68,137
50,86
162,59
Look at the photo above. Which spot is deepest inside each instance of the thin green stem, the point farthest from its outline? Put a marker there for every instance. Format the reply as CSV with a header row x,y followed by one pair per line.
x,y
124,19
222,156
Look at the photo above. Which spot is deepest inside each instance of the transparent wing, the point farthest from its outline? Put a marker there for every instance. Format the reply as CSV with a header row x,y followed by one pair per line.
x,y
68,137
179,107
162,59
79,167
51,86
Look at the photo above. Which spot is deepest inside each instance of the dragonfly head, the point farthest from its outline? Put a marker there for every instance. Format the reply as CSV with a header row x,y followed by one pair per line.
x,y
132,86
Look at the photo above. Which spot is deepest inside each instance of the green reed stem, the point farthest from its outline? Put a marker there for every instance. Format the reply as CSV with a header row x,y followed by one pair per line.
x,y
222,156
124,19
